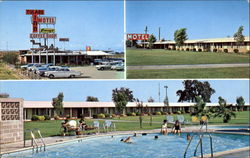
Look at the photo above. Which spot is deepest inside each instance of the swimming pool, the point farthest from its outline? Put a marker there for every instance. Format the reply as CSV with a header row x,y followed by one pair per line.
x,y
170,146
228,127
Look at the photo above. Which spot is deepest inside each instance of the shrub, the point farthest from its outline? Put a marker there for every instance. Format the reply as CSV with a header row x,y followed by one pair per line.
x,y
236,50
178,112
138,113
41,118
158,113
225,50
173,48
100,115
194,50
11,58
56,117
114,115
47,117
107,115
215,50
94,115
34,118
123,115
199,50
187,49
129,114
133,114
164,113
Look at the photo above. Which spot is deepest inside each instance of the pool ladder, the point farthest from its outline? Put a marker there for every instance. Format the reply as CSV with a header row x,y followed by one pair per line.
x,y
200,143
34,141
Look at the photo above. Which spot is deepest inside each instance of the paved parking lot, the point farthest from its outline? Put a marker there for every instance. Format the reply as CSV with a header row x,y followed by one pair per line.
x,y
90,72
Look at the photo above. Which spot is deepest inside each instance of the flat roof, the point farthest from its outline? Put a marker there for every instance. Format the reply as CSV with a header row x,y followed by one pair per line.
x,y
48,104
88,53
212,40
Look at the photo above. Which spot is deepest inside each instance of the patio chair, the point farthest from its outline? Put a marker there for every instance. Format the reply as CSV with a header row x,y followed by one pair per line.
x,y
170,119
182,120
108,125
96,125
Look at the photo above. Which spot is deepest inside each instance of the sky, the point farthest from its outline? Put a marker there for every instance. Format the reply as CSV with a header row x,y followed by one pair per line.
x,y
202,18
142,89
97,24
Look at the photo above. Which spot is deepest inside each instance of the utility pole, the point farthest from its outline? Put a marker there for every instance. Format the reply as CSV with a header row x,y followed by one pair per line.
x,y
159,93
166,102
159,33
146,31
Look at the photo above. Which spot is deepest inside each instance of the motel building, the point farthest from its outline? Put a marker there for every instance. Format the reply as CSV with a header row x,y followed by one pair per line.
x,y
63,57
88,109
207,45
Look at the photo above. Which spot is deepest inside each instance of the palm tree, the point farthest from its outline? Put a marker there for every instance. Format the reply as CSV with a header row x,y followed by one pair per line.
x,y
200,109
224,110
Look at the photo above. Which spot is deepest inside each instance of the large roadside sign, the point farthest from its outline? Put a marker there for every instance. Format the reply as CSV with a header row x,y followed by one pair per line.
x,y
35,21
64,39
137,36
47,30
37,35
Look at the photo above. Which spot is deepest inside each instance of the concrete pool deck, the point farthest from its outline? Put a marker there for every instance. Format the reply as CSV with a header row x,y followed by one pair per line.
x,y
19,146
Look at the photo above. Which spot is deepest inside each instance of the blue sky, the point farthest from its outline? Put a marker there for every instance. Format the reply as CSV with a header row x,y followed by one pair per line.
x,y
142,89
203,19
97,24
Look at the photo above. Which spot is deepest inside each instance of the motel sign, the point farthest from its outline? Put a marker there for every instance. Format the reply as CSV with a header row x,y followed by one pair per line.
x,y
34,14
137,36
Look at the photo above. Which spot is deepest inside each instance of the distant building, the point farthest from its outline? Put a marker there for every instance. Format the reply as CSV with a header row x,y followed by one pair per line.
x,y
88,109
62,57
207,45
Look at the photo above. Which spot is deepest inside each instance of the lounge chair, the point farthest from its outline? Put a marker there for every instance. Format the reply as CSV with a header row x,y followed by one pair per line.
x,y
182,120
96,125
108,125
170,119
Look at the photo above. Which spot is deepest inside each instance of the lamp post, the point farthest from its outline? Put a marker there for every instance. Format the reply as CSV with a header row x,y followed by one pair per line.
x,y
166,103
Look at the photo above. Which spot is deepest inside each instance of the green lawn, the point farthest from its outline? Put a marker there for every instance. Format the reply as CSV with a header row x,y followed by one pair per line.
x,y
52,128
6,74
168,57
236,72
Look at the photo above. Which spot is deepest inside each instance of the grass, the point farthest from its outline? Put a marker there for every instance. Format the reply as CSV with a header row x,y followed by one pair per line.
x,y
235,72
168,57
53,127
6,73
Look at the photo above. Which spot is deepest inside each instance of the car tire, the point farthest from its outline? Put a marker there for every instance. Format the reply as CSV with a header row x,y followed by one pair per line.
x,y
72,76
51,76
102,68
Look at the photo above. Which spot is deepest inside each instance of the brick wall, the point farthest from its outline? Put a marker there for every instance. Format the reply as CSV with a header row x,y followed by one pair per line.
x,y
11,120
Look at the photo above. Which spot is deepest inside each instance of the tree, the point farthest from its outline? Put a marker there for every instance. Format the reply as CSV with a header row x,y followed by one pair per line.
x,y
57,103
224,110
180,36
128,43
151,40
194,88
240,103
134,43
4,95
239,37
121,97
200,109
151,100
140,107
92,99
10,57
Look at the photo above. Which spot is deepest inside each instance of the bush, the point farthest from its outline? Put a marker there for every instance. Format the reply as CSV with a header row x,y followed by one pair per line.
x,y
133,114
94,115
114,115
56,117
199,50
100,116
215,50
129,114
236,50
107,115
158,113
123,115
41,118
194,50
47,117
138,113
225,50
34,118
178,112
11,58
187,49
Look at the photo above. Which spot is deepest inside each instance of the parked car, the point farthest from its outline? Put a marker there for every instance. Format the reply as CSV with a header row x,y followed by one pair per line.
x,y
118,67
35,68
99,61
105,65
62,72
31,68
41,70
25,67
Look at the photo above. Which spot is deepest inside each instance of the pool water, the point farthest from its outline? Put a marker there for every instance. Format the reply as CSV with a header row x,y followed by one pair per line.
x,y
228,127
170,146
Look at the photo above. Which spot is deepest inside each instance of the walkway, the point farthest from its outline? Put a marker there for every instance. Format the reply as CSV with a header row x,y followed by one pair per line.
x,y
165,67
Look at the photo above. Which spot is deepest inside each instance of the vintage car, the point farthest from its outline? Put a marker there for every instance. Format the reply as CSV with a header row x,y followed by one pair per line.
x,y
62,73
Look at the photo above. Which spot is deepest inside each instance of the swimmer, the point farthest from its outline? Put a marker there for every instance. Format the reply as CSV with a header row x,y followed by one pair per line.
x,y
188,137
127,140
156,137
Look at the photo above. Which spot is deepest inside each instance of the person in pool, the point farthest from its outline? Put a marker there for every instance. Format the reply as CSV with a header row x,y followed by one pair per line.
x,y
188,137
177,127
164,127
127,140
